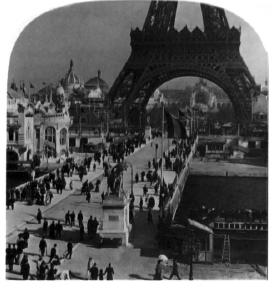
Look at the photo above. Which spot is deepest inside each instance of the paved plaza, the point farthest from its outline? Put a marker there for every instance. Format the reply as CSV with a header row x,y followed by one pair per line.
x,y
137,261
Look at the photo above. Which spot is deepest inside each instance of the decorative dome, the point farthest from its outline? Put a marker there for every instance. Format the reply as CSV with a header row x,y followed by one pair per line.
x,y
71,80
95,82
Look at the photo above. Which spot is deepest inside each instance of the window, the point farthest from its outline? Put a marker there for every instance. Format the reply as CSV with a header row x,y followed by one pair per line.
x,y
63,136
72,142
37,133
50,134
28,132
83,142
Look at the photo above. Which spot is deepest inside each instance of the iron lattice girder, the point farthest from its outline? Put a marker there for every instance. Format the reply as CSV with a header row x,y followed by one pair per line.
x,y
161,53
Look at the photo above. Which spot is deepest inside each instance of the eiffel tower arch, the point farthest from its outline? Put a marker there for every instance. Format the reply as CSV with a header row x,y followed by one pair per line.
x,y
161,53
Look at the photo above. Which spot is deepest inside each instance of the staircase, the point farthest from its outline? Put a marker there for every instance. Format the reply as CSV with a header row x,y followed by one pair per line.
x,y
226,249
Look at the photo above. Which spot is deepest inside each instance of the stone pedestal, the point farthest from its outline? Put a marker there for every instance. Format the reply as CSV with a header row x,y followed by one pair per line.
x,y
115,218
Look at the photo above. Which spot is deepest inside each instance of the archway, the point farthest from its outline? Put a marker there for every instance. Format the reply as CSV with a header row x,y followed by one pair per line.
x,y
50,142
63,136
212,54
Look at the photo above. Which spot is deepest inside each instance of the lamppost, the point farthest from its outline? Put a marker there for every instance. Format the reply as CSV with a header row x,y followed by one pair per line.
x,y
191,241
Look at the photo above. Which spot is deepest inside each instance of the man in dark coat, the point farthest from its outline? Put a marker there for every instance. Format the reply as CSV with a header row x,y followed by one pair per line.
x,y
58,229
67,218
142,176
42,246
94,272
52,230
53,253
45,225
80,218
109,271
72,218
175,270
9,257
25,269
39,216
69,249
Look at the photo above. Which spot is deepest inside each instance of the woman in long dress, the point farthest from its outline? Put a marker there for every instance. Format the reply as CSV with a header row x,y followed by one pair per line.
x,y
158,271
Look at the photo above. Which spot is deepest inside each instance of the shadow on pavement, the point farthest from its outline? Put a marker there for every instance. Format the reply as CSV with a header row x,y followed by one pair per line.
x,y
139,277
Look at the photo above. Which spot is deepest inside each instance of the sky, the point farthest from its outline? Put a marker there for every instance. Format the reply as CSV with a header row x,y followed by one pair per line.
x,y
96,35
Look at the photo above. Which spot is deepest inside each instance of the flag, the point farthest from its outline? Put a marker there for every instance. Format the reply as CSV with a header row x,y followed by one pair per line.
x,y
31,85
182,129
181,114
175,128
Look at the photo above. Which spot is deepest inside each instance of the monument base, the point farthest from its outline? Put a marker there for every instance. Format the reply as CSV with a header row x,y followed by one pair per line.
x,y
115,219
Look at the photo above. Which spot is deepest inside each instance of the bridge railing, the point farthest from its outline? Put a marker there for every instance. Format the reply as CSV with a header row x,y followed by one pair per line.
x,y
172,203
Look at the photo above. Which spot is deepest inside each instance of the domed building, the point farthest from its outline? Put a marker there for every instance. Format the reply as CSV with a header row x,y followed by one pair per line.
x,y
95,82
71,80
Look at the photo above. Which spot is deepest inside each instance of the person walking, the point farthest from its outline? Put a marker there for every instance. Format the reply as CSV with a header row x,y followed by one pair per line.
x,y
71,185
58,229
39,216
72,218
69,249
145,190
94,272
137,177
149,217
88,197
94,167
101,274
89,266
42,246
53,253
45,225
52,228
103,196
9,257
25,269
80,218
158,271
51,273
175,270
67,218
42,272
141,204
142,176
109,271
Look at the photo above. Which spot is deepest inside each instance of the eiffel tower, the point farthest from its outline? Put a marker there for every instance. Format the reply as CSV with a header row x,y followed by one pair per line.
x,y
161,53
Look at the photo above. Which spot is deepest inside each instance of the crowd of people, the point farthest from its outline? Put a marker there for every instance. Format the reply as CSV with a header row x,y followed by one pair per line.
x,y
40,193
